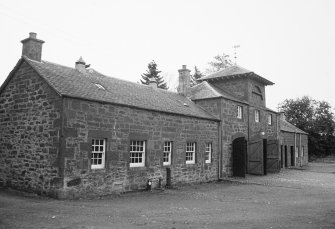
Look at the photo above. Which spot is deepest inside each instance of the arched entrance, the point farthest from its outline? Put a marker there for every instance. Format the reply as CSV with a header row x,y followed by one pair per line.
x,y
239,157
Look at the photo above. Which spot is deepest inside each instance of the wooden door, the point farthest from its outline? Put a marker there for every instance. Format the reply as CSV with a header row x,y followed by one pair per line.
x,y
239,157
255,157
272,162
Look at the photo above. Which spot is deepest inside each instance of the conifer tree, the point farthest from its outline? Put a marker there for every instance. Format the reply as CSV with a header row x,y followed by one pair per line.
x,y
197,75
153,72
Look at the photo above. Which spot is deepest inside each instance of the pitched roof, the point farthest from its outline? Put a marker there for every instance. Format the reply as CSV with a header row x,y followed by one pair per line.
x,y
95,86
233,72
204,90
288,127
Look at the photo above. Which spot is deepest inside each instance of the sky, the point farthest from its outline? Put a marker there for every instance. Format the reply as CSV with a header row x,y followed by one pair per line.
x,y
291,43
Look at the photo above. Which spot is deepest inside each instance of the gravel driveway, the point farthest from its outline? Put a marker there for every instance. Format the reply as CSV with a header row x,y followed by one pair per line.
x,y
291,199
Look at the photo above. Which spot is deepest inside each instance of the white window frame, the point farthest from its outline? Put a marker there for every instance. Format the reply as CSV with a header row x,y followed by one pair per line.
x,y
208,153
270,119
167,151
98,153
239,112
257,114
190,153
137,151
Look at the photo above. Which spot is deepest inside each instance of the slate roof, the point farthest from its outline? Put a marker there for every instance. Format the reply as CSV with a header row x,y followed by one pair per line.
x,y
288,127
70,82
204,90
233,72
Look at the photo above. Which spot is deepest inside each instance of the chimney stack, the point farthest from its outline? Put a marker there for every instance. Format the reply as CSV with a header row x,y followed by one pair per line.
x,y
81,65
184,81
32,47
282,116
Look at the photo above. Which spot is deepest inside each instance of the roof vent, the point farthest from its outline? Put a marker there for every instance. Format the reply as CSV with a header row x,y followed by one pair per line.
x,y
186,105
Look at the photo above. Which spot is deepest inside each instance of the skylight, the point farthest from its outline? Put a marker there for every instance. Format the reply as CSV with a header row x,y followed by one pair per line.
x,y
100,86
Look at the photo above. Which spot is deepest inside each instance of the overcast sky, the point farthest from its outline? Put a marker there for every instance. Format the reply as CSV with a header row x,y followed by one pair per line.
x,y
291,43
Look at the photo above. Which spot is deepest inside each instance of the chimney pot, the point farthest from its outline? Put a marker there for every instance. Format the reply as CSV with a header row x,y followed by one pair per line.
x,y
81,65
32,35
184,67
32,47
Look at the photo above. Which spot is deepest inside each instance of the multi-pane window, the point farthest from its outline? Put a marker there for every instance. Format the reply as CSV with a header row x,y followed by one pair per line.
x,y
208,153
167,153
270,119
98,153
239,112
190,152
137,153
256,115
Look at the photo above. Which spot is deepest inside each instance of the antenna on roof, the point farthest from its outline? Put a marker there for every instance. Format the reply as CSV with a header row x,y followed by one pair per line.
x,y
235,55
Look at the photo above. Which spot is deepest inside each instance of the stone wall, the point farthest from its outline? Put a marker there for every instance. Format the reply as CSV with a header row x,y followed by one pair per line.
x,y
29,126
118,125
231,126
256,128
237,87
290,139
255,97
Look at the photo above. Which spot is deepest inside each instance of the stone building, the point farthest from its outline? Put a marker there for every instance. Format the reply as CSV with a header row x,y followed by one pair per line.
x,y
293,145
67,132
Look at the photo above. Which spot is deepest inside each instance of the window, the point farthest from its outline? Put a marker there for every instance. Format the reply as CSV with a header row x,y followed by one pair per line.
x,y
296,151
98,153
190,152
239,112
270,119
256,115
208,153
167,153
137,153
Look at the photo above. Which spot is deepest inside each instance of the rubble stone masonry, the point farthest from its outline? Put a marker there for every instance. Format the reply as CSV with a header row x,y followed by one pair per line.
x,y
118,125
29,128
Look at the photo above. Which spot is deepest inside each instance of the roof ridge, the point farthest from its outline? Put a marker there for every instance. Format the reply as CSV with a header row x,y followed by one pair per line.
x,y
107,76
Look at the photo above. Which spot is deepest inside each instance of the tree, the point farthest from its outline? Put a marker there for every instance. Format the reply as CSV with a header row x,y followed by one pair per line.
x,y
153,73
197,75
220,62
315,118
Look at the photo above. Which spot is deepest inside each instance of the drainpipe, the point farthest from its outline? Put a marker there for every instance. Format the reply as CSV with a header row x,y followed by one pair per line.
x,y
220,142
300,153
295,146
220,148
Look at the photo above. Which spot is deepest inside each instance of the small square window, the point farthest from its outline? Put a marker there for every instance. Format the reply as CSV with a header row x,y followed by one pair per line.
x,y
208,153
239,112
256,115
270,119
190,152
98,153
167,151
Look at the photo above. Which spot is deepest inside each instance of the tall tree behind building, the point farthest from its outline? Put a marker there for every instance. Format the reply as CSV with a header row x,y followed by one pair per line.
x,y
196,75
317,119
220,62
152,72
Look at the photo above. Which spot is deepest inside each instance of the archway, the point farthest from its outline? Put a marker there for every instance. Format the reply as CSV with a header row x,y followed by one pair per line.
x,y
239,157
